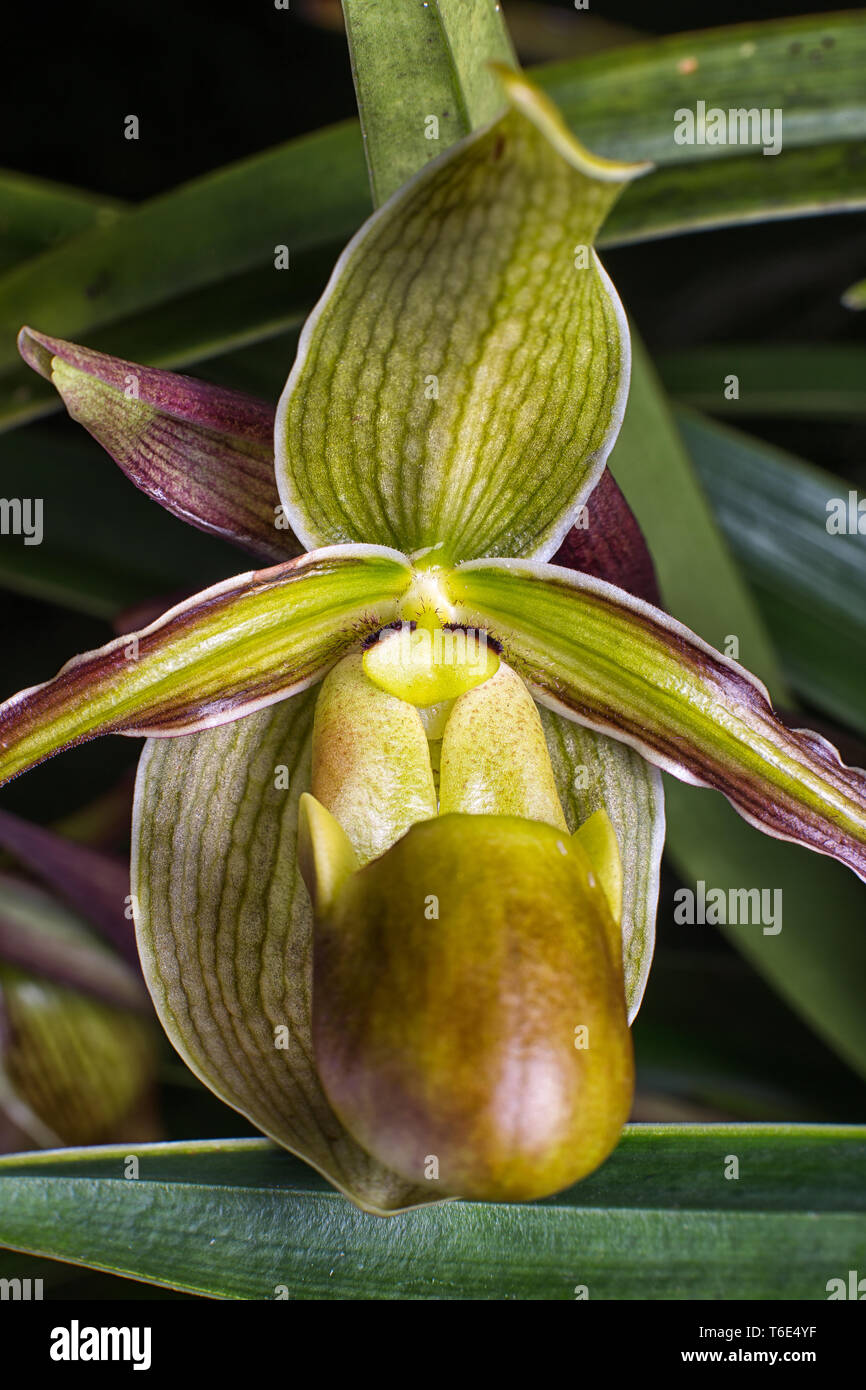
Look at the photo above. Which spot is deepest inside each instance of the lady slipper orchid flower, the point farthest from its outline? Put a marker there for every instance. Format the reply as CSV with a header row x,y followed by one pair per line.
x,y
403,921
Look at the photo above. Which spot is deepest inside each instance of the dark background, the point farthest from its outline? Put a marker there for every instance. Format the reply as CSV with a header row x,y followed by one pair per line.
x,y
213,83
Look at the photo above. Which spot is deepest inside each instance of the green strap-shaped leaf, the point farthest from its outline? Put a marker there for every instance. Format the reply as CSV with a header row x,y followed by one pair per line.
x,y
224,931
626,99
820,381
402,131
793,527
687,1052
464,376
280,196
315,188
595,773
36,215
735,192
243,644
700,582
625,668
819,972
239,1219
817,962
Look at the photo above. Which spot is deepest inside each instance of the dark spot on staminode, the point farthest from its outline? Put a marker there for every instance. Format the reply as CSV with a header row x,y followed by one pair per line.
x,y
828,42
499,147
795,48
373,637
461,627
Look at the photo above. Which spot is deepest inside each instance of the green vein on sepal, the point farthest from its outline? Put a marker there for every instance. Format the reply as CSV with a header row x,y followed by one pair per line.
x,y
463,378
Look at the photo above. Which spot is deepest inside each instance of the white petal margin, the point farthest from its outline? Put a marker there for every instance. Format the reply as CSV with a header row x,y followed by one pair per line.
x,y
235,648
618,665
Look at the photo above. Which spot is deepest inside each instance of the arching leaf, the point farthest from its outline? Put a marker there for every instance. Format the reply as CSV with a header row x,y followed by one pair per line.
x,y
460,91
655,1222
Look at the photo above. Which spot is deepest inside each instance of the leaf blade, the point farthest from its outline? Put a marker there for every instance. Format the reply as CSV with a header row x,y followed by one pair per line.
x,y
774,510
820,973
621,101
809,65
699,581
274,1225
460,92
36,215
701,586
821,382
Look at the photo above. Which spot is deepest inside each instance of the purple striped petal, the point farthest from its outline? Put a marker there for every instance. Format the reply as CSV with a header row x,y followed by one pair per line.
x,y
614,663
204,453
232,649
